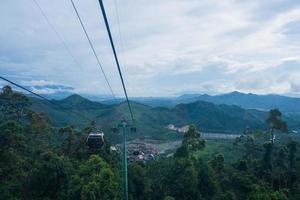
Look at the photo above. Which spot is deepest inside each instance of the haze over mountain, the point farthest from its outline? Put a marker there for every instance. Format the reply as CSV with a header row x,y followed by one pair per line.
x,y
245,100
152,120
223,46
249,101
81,58
262,102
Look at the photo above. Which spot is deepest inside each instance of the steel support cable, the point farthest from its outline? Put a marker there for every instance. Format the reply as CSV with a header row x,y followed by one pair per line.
x,y
121,40
63,42
93,49
115,55
57,33
47,100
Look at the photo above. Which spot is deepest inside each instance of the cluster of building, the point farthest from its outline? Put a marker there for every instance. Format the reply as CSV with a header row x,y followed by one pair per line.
x,y
138,151
182,129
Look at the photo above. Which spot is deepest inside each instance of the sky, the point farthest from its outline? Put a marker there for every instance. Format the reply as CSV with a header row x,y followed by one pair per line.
x,y
165,47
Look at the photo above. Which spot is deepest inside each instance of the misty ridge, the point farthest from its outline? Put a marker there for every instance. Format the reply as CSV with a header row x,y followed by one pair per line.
x,y
150,100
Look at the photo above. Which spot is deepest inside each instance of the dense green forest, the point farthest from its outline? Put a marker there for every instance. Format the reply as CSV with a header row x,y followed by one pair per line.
x,y
206,115
251,101
42,161
152,120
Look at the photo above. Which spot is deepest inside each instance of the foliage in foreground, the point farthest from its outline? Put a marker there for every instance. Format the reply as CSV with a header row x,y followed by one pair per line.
x,y
40,162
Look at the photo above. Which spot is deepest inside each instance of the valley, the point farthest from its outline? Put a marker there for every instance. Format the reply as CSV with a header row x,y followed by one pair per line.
x,y
208,117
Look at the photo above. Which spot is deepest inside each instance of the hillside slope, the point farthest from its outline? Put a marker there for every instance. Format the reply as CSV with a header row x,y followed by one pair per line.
x,y
151,121
254,101
288,105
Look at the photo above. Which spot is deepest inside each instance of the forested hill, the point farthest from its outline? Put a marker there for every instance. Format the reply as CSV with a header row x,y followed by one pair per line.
x,y
288,105
38,161
262,102
152,121
248,101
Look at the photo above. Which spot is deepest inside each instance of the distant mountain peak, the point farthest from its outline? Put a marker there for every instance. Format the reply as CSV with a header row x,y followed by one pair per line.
x,y
188,96
80,102
75,98
235,93
205,95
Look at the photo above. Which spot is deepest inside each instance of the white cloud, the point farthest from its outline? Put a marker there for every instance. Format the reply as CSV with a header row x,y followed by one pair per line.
x,y
169,46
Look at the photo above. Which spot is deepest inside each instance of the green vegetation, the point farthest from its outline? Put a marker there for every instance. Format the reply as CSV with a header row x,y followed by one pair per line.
x,y
39,161
250,101
152,121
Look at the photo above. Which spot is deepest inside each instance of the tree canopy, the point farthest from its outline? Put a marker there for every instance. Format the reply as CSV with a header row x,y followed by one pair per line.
x,y
40,161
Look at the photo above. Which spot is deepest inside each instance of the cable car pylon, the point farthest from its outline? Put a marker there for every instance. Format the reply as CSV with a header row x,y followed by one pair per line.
x,y
123,122
124,125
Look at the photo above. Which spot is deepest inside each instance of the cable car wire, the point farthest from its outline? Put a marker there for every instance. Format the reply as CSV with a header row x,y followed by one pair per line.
x,y
120,39
115,55
93,49
47,100
63,42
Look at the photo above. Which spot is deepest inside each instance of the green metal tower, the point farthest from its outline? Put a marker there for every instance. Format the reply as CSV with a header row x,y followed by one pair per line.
x,y
124,126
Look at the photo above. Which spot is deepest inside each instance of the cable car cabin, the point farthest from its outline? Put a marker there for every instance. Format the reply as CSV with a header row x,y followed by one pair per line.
x,y
133,129
95,140
136,152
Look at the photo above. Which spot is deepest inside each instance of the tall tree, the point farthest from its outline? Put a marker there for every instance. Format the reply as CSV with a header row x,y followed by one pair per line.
x,y
12,104
192,142
276,123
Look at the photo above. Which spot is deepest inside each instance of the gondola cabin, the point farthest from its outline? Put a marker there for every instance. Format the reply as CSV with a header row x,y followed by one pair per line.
x,y
95,140
133,129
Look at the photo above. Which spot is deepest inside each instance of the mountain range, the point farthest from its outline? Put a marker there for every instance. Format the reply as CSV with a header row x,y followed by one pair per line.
x,y
249,101
261,102
245,100
151,121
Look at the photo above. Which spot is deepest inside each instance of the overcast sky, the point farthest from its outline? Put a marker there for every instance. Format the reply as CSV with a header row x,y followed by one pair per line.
x,y
168,47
